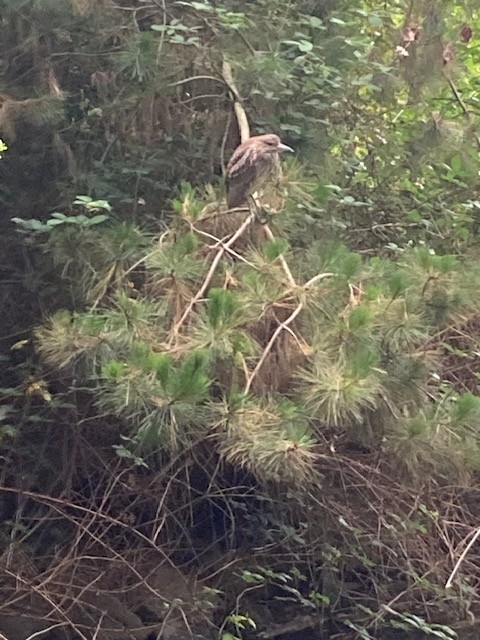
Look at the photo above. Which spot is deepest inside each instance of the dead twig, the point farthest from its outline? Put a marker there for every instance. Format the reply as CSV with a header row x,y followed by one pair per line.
x,y
42,631
449,582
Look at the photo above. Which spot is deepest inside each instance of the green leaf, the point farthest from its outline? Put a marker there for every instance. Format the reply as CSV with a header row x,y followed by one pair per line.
x,y
97,219
375,20
305,46
316,23
456,164
30,225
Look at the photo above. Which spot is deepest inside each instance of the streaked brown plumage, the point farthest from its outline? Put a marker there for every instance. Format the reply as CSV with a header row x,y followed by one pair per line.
x,y
250,166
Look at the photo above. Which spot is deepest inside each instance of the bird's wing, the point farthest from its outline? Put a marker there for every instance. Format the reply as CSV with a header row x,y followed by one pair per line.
x,y
241,176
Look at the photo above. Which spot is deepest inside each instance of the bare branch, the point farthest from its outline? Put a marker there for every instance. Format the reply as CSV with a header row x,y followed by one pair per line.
x,y
449,582
240,112
42,631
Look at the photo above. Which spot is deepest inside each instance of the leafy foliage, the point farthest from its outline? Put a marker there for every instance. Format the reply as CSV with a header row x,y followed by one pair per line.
x,y
311,397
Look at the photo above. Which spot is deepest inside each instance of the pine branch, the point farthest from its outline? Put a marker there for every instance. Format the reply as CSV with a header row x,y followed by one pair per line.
x,y
270,344
284,325
209,276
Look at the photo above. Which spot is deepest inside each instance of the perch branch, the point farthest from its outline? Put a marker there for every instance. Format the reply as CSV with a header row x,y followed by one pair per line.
x,y
219,242
240,112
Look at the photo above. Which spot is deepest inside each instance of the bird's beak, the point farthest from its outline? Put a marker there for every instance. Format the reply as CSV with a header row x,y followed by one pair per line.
x,y
283,147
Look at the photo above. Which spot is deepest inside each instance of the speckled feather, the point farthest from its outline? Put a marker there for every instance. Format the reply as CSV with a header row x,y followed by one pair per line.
x,y
249,167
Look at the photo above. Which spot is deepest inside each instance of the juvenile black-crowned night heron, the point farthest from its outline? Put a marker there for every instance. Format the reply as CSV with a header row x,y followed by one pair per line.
x,y
250,166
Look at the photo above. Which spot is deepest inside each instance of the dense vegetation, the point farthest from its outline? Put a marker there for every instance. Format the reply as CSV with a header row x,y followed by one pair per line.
x,y
212,426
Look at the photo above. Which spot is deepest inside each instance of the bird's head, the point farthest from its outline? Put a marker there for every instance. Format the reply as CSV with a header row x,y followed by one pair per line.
x,y
271,143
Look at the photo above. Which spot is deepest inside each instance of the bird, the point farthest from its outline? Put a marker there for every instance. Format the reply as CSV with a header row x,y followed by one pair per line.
x,y
250,166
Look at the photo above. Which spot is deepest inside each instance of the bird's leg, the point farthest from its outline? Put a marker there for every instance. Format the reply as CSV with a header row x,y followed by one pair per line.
x,y
257,209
